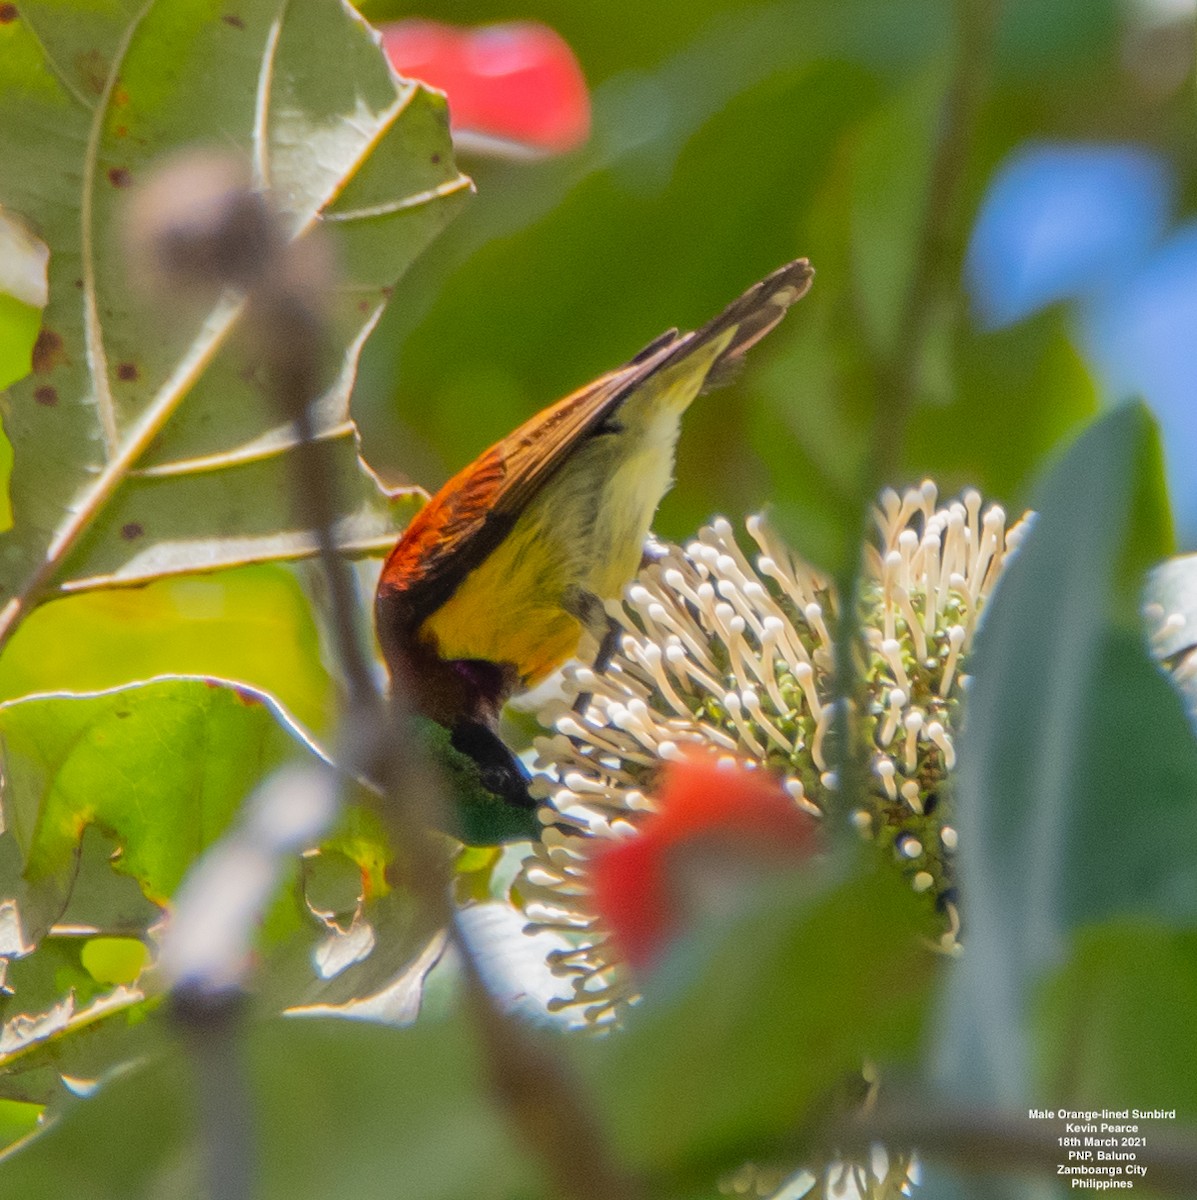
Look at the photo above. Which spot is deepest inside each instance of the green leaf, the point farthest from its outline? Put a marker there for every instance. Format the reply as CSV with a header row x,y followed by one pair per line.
x,y
23,295
114,960
1077,792
163,766
391,944
43,971
252,625
17,1118
143,449
1018,394
742,1033
341,1108
1114,1024
19,324
82,1041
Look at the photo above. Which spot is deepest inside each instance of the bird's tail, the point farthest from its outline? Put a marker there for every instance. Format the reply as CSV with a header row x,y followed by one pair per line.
x,y
740,326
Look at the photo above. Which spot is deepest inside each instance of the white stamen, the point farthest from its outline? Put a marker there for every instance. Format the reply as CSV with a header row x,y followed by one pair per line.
x,y
813,613
972,505
932,607
885,770
910,793
896,702
772,628
939,735
677,658
731,703
804,676
956,636
891,651
652,656
913,723
752,702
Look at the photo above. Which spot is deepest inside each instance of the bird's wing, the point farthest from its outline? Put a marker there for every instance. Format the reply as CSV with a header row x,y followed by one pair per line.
x,y
460,526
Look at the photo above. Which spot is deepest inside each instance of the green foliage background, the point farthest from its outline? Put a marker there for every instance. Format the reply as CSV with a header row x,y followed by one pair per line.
x,y
728,138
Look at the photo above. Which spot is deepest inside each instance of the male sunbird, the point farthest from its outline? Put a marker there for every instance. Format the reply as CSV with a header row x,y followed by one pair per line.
x,y
492,585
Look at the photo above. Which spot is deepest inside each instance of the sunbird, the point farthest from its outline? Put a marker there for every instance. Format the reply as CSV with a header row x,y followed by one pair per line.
x,y
492,585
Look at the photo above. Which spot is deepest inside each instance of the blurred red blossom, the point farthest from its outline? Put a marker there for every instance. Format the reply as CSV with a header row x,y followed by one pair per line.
x,y
516,83
717,824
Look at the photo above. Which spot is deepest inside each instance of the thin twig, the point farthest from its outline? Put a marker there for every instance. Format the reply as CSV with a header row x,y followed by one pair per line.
x,y
896,377
213,1036
540,1096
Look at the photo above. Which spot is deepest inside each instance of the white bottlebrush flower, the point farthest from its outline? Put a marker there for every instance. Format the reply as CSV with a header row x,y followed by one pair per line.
x,y
720,651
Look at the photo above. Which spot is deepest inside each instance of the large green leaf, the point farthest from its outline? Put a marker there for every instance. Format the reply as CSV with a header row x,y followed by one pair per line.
x,y
1078,777
1118,1020
144,779
252,625
163,766
142,448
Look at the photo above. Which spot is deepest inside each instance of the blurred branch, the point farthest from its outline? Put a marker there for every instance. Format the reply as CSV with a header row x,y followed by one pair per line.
x,y
896,378
940,238
232,239
211,1032
543,1100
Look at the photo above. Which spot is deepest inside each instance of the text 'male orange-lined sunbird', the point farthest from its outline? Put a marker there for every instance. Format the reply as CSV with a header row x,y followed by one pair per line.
x,y
492,585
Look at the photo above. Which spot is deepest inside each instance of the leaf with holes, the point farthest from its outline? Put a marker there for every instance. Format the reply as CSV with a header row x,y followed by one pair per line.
x,y
163,766
142,450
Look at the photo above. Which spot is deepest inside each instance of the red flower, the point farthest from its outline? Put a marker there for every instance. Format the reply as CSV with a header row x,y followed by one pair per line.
x,y
714,824
516,83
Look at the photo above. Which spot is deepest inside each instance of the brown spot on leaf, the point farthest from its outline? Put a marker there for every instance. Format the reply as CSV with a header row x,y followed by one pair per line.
x,y
93,70
120,96
126,372
246,697
8,12
122,713
119,177
46,395
131,531
47,351
363,306
232,19
436,158
121,131
79,283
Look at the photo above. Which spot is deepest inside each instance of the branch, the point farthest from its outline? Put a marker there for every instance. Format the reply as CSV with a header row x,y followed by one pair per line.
x,y
896,378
